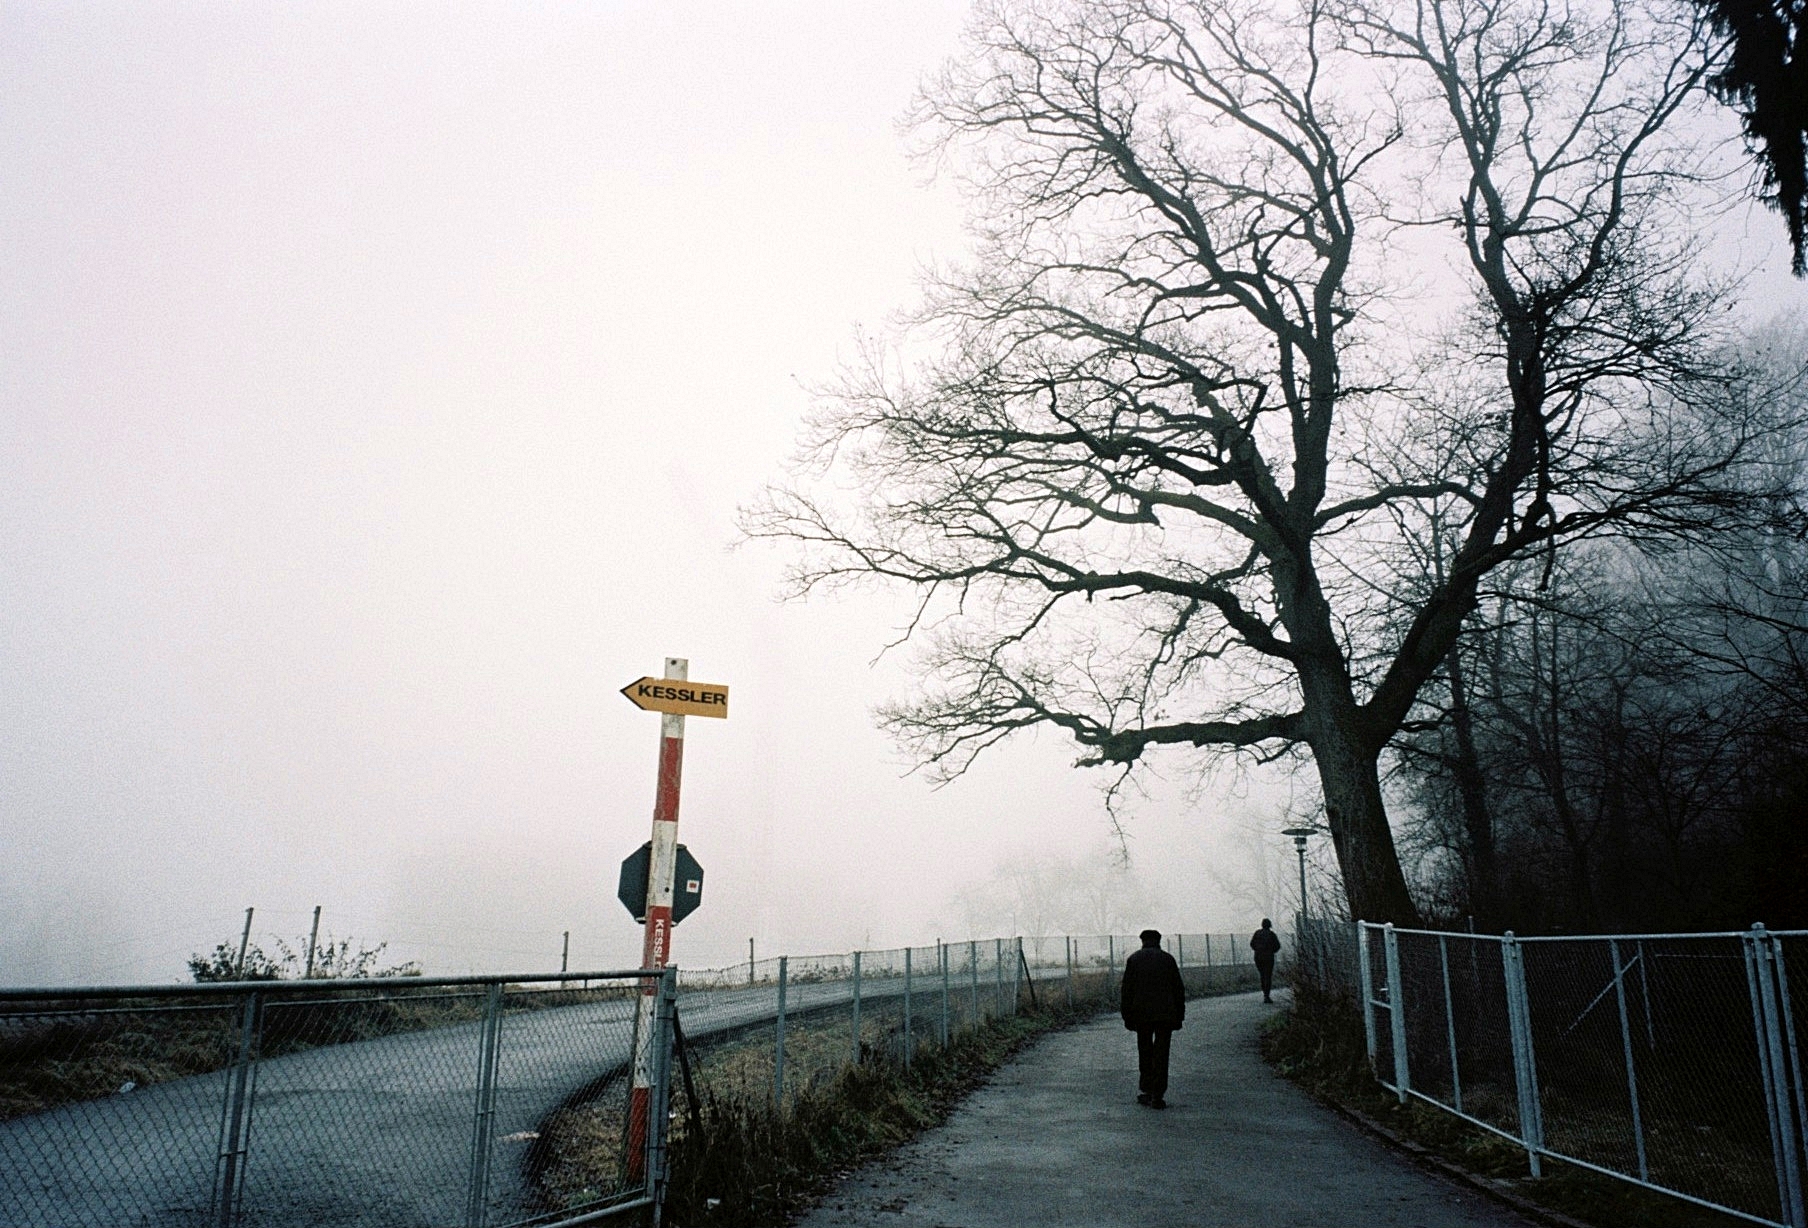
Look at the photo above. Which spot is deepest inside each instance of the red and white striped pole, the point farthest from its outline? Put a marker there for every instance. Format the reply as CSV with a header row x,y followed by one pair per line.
x,y
656,949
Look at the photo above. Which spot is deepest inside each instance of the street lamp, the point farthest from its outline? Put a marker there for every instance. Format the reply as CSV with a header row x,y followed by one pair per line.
x,y
1299,835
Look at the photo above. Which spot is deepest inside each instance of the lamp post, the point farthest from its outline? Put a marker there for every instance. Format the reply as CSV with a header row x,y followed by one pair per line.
x,y
1299,835
1299,847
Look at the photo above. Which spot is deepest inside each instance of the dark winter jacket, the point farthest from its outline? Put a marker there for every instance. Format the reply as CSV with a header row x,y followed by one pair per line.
x,y
1152,996
1266,944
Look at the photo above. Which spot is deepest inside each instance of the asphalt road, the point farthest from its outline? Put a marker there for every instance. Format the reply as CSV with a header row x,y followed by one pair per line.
x,y
1057,1138
376,1133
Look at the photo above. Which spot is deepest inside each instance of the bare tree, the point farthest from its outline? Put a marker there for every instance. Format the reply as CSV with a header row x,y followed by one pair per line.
x,y
1613,715
1173,422
1623,752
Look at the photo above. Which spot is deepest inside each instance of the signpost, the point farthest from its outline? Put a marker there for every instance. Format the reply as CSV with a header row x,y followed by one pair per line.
x,y
689,699
674,696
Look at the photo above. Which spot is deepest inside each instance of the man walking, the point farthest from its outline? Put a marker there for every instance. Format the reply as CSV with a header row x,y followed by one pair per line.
x,y
1152,1001
1266,944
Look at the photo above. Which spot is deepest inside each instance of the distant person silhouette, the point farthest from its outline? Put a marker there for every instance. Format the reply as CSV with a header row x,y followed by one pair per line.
x,y
1266,944
1152,1001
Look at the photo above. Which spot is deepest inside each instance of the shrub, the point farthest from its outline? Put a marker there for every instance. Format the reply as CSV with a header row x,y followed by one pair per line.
x,y
344,959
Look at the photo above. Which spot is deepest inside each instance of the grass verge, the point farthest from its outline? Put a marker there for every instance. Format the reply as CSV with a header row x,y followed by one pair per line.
x,y
1318,1043
757,1165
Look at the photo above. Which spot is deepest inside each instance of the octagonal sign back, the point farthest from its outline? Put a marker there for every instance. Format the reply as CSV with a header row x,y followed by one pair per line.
x,y
687,885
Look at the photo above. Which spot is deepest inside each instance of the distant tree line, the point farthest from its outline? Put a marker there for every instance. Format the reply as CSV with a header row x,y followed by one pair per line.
x,y
1619,740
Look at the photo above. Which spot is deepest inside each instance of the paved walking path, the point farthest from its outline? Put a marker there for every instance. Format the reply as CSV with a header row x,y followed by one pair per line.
x,y
1057,1138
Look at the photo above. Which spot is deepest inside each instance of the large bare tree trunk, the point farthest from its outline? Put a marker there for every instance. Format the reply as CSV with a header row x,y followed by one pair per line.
x,y
1365,850
1347,751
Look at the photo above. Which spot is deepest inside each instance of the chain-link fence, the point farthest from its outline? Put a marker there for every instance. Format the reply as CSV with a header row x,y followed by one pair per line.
x,y
395,1101
467,1100
802,1020
1667,1060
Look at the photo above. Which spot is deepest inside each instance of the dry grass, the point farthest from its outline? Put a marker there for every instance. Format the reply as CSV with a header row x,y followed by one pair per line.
x,y
582,1156
44,1063
582,1152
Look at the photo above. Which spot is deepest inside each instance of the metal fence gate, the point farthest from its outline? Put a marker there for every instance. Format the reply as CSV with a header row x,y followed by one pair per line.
x,y
1667,1060
390,1101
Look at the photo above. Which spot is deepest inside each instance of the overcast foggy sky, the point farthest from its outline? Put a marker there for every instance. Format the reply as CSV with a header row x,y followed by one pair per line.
x,y
377,388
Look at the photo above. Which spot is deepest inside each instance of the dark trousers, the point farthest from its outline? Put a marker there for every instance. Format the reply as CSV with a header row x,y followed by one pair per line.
x,y
1266,968
1152,1060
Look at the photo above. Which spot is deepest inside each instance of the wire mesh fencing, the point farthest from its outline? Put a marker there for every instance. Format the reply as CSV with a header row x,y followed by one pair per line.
x,y
470,1100
1667,1060
795,1023
359,1102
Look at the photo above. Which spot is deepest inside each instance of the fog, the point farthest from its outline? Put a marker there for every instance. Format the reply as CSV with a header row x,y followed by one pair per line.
x,y
378,385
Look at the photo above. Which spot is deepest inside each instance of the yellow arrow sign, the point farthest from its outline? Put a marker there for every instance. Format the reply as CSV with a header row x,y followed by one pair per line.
x,y
678,697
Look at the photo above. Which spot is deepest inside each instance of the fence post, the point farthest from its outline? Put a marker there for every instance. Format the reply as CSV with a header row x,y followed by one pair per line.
x,y
907,1044
941,951
1180,949
1525,1064
1068,941
1645,997
1396,1002
477,1197
1365,977
1632,1092
235,1127
1795,1054
973,975
1760,960
1017,966
1456,1078
659,1119
998,968
856,1060
778,1036
1748,949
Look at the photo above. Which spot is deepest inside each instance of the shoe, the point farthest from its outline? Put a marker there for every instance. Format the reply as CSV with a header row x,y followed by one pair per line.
x,y
1158,1103
1268,1000
1143,1098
